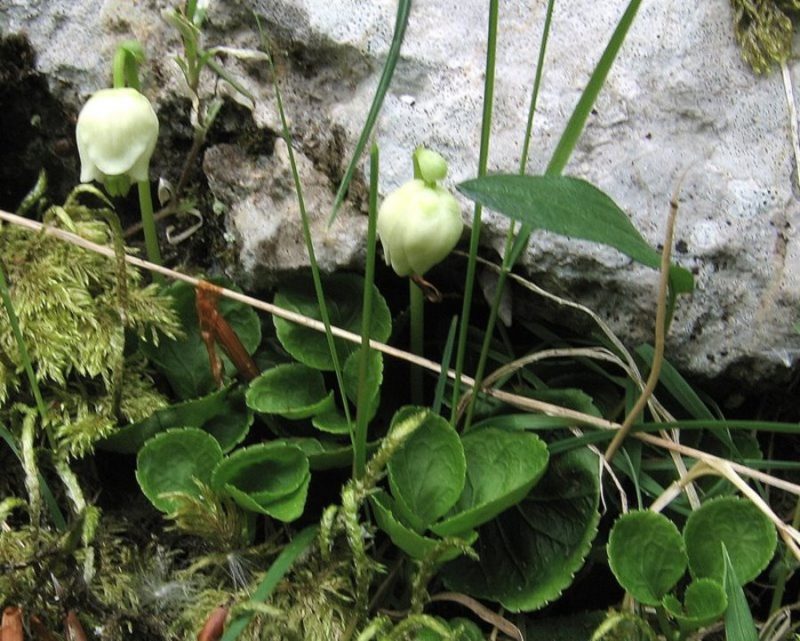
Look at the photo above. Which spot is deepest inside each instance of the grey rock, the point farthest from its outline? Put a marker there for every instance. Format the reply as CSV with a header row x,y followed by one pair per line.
x,y
680,110
264,216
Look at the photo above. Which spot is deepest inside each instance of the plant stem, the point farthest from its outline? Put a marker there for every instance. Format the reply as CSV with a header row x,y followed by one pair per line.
x,y
417,301
660,336
118,68
580,114
475,232
401,22
362,409
784,569
309,241
507,264
149,225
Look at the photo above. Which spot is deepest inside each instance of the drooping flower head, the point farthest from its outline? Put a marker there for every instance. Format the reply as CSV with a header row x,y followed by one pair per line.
x,y
420,223
117,132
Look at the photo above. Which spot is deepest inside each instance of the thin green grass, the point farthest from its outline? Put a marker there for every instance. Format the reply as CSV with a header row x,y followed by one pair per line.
x,y
309,241
475,231
401,22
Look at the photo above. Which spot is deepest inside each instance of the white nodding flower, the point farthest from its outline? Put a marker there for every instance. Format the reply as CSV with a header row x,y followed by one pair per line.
x,y
420,223
117,132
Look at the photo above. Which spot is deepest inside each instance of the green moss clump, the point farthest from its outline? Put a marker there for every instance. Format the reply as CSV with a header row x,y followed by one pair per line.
x,y
80,314
764,30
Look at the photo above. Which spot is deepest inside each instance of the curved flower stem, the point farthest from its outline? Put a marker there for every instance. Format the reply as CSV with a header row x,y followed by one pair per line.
x,y
417,303
286,134
127,58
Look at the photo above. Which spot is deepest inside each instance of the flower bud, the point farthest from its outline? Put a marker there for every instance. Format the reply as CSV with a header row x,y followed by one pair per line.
x,y
117,132
432,166
419,223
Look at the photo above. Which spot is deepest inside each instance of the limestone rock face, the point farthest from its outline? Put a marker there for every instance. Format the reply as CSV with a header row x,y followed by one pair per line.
x,y
680,113
264,218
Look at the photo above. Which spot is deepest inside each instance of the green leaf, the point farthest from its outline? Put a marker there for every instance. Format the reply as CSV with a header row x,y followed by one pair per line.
x,y
647,555
570,207
415,545
703,603
184,362
748,535
332,420
268,478
739,625
287,508
530,553
427,473
266,471
171,461
343,294
232,425
291,390
194,413
502,467
326,454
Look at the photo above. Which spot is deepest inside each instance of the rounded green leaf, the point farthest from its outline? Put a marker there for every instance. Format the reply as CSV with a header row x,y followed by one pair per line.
x,y
231,427
286,508
415,545
172,461
530,553
343,295
427,473
647,555
264,472
291,390
747,533
502,467
194,413
331,421
703,603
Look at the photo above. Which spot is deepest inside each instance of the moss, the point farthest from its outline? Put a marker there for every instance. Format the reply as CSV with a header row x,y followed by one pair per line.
x,y
79,316
764,30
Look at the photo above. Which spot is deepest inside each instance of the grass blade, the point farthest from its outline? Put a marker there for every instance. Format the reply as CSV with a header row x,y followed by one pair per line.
x,y
5,294
447,355
475,230
280,566
315,272
677,386
739,625
580,114
401,22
